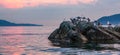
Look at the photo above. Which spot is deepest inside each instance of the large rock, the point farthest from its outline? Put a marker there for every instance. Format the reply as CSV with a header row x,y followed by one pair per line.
x,y
79,33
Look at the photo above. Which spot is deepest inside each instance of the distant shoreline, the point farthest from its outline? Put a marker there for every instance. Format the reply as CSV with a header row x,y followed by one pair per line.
x,y
7,23
21,26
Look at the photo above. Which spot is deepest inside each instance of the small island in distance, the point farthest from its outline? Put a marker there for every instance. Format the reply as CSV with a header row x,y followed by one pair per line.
x,y
7,23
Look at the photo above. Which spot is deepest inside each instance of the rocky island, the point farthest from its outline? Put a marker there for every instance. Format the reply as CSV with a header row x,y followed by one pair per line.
x,y
82,32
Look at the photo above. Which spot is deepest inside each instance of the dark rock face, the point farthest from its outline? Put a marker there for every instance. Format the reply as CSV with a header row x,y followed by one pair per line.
x,y
117,28
81,32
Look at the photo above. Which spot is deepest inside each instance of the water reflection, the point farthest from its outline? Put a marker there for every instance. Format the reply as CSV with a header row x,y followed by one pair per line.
x,y
13,50
34,41
12,30
15,40
10,44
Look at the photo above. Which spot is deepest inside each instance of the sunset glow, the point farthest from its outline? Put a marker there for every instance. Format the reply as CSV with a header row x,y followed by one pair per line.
x,y
32,3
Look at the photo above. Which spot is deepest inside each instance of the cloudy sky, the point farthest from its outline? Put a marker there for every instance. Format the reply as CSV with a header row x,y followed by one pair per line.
x,y
52,12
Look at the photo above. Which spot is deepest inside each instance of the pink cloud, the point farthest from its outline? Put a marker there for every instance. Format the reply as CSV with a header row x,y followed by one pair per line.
x,y
32,3
87,1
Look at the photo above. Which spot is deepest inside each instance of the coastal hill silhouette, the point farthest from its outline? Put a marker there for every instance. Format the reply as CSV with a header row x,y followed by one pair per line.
x,y
113,19
7,23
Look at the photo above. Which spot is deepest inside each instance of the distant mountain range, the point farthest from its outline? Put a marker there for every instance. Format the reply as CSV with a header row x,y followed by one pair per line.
x,y
7,23
113,19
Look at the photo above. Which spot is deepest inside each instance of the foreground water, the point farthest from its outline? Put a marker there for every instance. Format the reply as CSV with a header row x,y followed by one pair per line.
x,y
34,41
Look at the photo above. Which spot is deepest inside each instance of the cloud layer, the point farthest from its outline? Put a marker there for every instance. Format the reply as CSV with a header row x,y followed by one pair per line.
x,y
32,3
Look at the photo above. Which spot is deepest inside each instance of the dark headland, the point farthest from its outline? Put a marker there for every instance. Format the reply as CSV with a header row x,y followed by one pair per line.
x,y
7,23
113,19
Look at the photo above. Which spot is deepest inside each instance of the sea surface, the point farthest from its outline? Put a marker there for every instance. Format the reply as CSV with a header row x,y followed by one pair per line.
x,y
24,40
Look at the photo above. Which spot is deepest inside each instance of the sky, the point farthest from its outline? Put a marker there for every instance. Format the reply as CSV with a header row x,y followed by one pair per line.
x,y
53,12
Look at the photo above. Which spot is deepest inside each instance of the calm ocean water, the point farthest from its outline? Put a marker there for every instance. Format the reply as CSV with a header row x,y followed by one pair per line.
x,y
34,41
